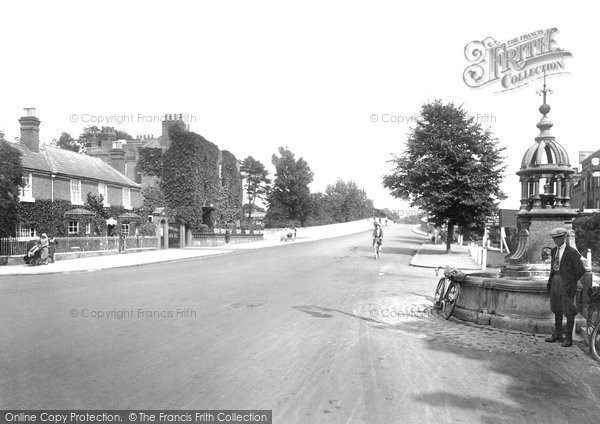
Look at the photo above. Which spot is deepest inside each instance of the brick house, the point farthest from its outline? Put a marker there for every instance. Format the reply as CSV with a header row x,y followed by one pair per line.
x,y
51,173
586,191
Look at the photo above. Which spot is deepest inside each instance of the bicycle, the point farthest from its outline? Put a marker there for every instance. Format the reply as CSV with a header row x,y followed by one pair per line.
x,y
447,290
377,247
592,329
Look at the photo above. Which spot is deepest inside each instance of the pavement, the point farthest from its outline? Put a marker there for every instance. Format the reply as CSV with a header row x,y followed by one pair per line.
x,y
95,263
434,255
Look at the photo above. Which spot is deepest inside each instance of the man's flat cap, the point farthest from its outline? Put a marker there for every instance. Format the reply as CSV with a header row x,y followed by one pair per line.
x,y
558,232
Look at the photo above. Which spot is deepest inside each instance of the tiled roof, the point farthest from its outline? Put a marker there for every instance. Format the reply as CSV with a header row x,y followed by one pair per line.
x,y
32,160
72,164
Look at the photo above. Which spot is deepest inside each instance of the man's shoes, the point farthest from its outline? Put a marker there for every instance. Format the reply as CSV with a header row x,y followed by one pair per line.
x,y
567,343
554,338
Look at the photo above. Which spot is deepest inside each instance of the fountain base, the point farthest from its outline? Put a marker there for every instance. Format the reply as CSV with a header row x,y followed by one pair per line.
x,y
515,299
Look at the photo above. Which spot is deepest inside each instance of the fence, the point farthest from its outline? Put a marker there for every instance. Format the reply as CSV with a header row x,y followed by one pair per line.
x,y
215,239
17,247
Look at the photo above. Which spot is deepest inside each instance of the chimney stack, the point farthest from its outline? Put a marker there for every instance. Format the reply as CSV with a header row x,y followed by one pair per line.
x,y
30,130
117,158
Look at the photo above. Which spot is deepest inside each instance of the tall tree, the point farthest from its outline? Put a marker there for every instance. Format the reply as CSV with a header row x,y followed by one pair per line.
x,y
451,168
346,202
256,181
65,141
11,174
289,199
88,134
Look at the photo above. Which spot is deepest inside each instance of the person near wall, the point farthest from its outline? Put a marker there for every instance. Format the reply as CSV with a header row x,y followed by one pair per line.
x,y
565,270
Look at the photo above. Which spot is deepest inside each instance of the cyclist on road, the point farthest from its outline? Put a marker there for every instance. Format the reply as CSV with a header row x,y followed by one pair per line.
x,y
377,238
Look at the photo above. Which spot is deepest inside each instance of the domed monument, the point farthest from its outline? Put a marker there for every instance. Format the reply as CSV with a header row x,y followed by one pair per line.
x,y
545,177
515,296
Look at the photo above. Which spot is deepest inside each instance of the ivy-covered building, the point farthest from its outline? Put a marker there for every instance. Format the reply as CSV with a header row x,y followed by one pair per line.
x,y
53,176
205,179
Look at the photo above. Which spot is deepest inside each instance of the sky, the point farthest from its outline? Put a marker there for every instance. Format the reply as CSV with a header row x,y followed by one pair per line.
x,y
339,83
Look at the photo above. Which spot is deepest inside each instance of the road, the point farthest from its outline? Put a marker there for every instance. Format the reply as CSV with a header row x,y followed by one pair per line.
x,y
318,332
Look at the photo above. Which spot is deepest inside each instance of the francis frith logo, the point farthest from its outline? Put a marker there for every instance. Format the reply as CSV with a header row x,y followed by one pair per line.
x,y
516,62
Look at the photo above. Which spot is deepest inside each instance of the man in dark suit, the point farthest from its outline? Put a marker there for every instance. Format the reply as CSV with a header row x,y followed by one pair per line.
x,y
565,270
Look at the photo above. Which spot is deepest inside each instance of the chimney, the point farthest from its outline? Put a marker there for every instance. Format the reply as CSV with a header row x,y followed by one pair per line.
x,y
30,130
106,138
117,158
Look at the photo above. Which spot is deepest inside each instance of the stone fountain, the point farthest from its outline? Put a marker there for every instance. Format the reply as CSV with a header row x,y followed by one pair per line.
x,y
514,297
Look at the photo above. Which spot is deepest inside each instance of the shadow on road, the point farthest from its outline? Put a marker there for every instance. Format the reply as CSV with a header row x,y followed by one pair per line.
x,y
536,388
542,388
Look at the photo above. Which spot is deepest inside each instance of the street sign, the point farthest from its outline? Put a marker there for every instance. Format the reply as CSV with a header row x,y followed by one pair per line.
x,y
492,221
508,218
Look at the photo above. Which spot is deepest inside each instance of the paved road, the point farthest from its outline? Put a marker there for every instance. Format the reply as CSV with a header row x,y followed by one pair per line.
x,y
318,332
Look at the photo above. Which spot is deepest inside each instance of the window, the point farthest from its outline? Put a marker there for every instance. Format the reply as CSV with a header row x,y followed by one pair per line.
x,y
26,231
26,191
73,227
125,229
126,198
88,228
76,192
103,190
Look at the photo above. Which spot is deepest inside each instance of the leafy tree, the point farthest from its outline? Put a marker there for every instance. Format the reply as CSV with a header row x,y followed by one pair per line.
x,y
11,173
289,199
451,168
65,141
95,204
346,202
122,135
587,235
88,134
152,198
91,132
320,210
257,183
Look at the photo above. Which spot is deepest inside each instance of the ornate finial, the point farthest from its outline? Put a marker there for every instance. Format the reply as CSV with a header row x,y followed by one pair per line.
x,y
544,91
545,124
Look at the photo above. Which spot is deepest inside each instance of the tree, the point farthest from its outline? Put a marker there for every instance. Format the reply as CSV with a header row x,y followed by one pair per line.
x,y
67,142
11,174
93,132
95,203
289,199
451,168
587,235
346,202
88,134
257,183
122,135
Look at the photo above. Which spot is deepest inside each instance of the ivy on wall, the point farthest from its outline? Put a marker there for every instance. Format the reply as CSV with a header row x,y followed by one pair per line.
x,y
150,161
181,183
48,217
230,200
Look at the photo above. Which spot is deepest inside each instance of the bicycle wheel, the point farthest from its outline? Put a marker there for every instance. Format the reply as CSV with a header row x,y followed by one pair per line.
x,y
439,292
450,299
595,342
